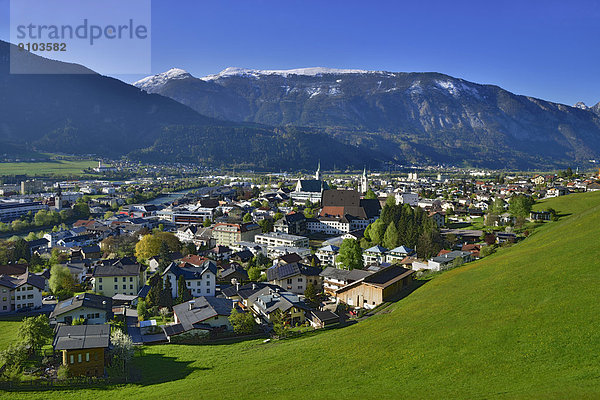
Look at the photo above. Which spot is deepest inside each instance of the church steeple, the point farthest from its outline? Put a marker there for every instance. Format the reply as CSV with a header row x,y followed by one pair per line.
x,y
363,187
318,173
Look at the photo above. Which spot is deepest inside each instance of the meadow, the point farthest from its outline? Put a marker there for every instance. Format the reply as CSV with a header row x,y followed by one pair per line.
x,y
521,323
54,167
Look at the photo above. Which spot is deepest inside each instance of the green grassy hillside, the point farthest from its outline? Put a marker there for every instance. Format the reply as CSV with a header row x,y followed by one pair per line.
x,y
522,323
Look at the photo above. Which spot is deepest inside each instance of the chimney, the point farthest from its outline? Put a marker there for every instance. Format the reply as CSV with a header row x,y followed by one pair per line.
x,y
191,303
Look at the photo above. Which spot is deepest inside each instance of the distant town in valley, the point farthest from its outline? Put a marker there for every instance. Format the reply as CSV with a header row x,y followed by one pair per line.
x,y
125,254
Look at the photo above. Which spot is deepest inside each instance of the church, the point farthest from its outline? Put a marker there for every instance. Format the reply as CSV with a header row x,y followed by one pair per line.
x,y
310,189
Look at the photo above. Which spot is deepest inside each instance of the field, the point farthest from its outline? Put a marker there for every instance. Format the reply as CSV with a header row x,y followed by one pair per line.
x,y
522,323
8,331
55,167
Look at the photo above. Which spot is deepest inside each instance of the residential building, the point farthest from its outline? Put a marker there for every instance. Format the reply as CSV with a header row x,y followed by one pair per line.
x,y
122,276
376,288
275,239
83,348
92,308
267,301
21,292
328,254
445,260
227,234
375,255
398,254
336,278
200,279
199,316
293,223
294,277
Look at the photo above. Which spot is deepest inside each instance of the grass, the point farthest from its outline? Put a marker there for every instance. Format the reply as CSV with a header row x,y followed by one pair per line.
x,y
8,330
521,323
55,167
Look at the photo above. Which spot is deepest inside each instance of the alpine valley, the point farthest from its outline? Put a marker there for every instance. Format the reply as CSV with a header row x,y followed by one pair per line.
x,y
271,120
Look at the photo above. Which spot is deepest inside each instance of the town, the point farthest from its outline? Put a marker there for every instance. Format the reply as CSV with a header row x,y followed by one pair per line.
x,y
91,269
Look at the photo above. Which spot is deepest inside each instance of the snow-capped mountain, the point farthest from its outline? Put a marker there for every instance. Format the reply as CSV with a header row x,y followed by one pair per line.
x,y
415,116
158,80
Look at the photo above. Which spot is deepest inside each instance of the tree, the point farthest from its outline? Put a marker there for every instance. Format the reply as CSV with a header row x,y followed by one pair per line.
x,y
377,231
156,287
266,225
311,295
350,255
183,293
254,274
281,323
150,245
247,217
370,194
142,310
520,205
61,281
243,323
109,214
206,223
391,238
166,298
35,331
164,257
122,349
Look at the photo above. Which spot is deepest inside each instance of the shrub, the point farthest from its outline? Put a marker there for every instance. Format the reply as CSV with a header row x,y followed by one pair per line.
x,y
63,372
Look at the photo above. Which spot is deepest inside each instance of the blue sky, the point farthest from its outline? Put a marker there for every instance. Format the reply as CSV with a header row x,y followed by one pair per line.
x,y
544,49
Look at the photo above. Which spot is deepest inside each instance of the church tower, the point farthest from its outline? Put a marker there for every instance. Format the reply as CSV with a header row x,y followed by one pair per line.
x,y
363,187
58,199
318,173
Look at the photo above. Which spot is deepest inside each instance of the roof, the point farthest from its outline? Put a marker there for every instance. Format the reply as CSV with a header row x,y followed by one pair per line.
x,y
312,185
402,250
200,309
382,278
193,259
13,269
376,249
117,269
191,271
247,290
88,300
290,258
81,337
269,300
344,275
324,316
282,271
234,269
444,258
330,248
12,282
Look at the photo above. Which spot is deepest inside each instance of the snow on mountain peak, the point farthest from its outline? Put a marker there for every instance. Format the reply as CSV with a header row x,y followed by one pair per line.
x,y
256,73
581,105
152,82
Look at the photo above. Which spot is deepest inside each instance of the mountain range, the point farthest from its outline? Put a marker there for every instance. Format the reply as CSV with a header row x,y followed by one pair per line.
x,y
288,119
75,110
408,117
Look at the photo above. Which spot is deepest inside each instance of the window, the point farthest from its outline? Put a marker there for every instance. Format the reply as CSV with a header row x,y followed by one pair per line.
x,y
289,281
299,287
97,315
100,287
100,280
131,279
18,297
124,279
198,283
130,286
207,290
299,279
115,279
4,307
124,286
72,359
87,356
116,287
187,283
4,299
79,357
